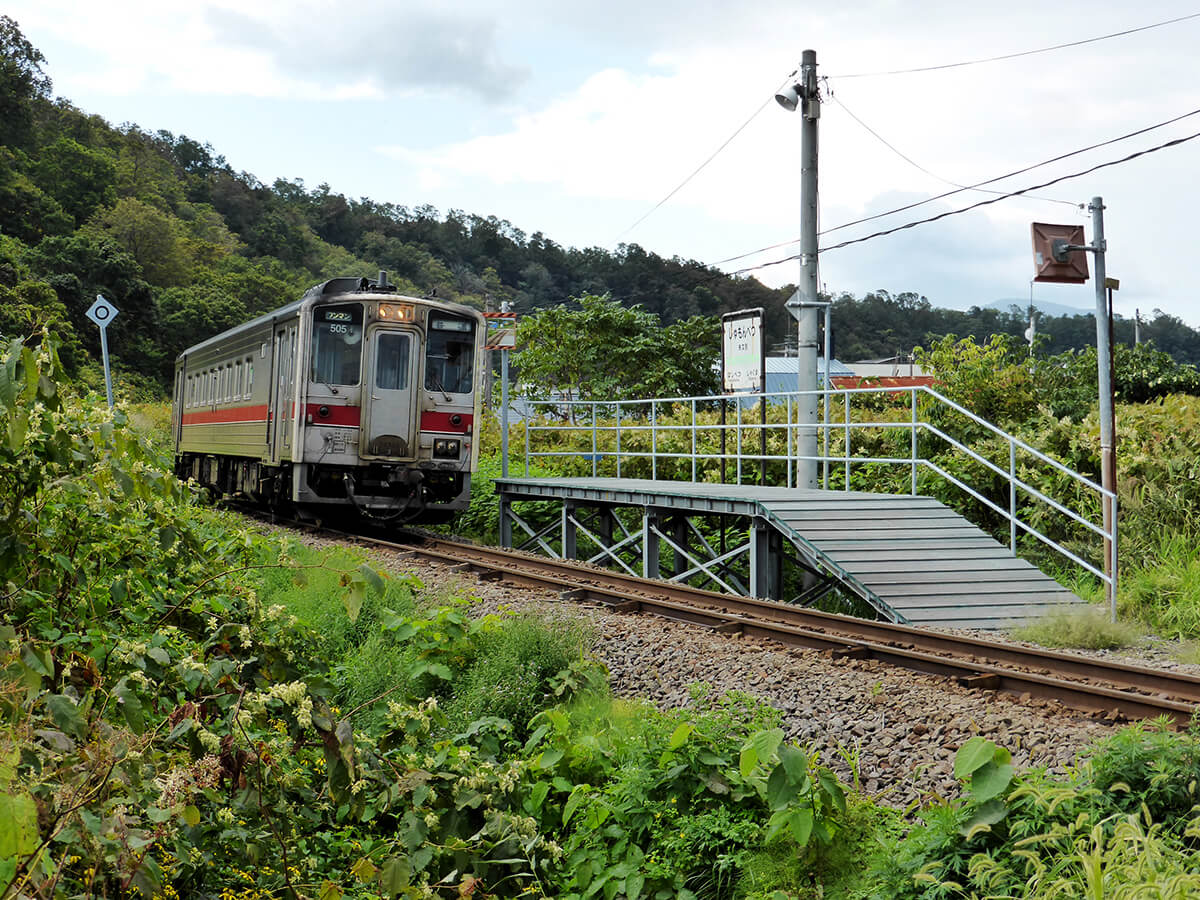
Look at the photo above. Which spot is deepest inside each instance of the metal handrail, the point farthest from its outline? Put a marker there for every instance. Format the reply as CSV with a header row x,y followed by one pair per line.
x,y
628,422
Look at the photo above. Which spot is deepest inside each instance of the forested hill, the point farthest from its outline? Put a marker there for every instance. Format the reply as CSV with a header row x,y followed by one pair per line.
x,y
186,245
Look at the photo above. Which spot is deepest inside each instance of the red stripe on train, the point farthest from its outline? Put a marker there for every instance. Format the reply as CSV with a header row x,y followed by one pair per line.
x,y
234,414
335,415
440,421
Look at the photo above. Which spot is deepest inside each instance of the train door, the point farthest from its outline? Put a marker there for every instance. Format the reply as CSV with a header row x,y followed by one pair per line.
x,y
389,412
283,382
181,382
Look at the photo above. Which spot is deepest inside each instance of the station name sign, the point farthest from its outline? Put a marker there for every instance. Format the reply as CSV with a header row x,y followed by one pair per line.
x,y
742,351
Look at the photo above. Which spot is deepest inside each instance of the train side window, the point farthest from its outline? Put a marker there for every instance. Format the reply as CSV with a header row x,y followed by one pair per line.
x,y
249,377
449,354
239,384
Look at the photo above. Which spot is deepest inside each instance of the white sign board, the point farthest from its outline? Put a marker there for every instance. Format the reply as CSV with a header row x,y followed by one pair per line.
x,y
101,312
742,351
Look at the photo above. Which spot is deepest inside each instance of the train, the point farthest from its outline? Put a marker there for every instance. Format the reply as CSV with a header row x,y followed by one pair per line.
x,y
353,399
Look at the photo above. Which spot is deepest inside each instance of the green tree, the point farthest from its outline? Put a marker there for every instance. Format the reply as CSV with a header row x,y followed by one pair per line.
x,y
22,81
79,178
601,350
149,235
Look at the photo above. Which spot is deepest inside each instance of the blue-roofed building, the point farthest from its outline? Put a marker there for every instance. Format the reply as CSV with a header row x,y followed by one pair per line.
x,y
781,372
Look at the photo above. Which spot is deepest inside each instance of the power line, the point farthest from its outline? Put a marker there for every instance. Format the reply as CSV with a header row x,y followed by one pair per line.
x,y
916,165
954,212
699,168
975,186
975,62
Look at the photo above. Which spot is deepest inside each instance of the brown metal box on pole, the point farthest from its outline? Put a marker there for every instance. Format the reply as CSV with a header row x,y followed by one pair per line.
x,y
1059,267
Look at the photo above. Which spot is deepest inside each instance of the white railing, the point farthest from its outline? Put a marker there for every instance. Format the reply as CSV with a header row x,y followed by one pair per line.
x,y
610,435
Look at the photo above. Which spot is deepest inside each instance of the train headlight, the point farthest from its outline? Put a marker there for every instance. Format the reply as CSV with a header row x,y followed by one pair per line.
x,y
395,312
446,448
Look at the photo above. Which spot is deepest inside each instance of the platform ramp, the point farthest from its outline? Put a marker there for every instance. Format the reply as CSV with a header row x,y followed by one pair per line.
x,y
924,561
912,558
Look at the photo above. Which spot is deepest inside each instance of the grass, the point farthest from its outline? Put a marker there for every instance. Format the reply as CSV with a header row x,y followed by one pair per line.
x,y
1088,629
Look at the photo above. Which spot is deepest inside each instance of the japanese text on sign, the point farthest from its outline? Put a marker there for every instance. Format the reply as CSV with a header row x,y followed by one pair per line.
x,y
742,351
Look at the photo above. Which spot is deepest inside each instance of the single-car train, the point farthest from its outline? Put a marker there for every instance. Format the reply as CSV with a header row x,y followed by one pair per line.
x,y
353,397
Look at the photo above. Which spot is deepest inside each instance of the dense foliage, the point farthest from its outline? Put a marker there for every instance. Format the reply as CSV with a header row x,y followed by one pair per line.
x,y
188,708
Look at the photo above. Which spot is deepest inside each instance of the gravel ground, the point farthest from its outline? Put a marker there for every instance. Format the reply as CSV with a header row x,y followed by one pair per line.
x,y
901,727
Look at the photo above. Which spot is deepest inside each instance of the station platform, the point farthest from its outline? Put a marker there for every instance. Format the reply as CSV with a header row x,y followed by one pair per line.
x,y
911,558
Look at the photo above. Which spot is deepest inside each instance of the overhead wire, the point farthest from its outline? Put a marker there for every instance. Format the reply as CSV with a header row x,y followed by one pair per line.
x,y
975,186
990,59
700,167
916,165
954,212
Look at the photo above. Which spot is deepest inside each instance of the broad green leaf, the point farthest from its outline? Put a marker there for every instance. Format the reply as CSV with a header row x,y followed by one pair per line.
x,y
987,814
795,763
577,797
680,735
66,716
38,659
364,869
780,789
191,815
634,884
372,578
833,790
395,875
801,825
537,796
329,891
975,753
748,760
990,781
159,655
18,825
131,706
353,598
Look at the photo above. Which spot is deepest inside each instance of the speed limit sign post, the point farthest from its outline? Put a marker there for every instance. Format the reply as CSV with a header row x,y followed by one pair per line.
x,y
102,313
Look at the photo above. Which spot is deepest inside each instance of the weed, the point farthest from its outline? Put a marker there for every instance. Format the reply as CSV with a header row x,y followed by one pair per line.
x,y
1089,629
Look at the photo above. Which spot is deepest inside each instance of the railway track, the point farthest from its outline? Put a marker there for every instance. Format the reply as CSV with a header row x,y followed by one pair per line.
x,y
1100,687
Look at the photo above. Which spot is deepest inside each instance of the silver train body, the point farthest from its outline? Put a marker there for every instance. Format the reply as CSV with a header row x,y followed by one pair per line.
x,y
352,397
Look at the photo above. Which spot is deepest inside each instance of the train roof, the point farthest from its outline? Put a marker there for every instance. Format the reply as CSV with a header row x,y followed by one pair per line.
x,y
334,288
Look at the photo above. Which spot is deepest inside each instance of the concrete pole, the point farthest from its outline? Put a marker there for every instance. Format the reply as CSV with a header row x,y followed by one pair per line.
x,y
807,330
1108,433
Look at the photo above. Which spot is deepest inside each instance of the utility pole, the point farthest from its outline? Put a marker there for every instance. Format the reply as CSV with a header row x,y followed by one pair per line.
x,y
805,96
1053,246
1108,430
1137,326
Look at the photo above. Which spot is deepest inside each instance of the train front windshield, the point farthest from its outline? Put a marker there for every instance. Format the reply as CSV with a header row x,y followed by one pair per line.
x,y
337,344
450,354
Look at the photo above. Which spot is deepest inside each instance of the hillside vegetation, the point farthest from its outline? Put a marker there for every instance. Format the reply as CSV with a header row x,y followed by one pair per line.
x,y
186,245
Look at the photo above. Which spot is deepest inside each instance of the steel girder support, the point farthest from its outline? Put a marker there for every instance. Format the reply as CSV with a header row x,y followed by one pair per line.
x,y
709,568
766,561
509,517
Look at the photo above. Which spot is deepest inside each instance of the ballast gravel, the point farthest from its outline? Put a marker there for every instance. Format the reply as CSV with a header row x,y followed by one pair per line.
x,y
897,730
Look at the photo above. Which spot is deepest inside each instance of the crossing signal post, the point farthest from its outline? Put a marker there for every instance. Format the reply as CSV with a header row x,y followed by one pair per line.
x,y
102,313
1059,255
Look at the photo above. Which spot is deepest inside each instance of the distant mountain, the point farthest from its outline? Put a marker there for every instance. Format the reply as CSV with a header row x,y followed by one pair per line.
x,y
1045,307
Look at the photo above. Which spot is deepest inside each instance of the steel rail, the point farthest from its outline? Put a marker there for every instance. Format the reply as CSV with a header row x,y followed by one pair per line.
x,y
1114,690
1130,691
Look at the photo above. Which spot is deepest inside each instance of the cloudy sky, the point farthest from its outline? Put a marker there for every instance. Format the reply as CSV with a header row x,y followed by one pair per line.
x,y
575,118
